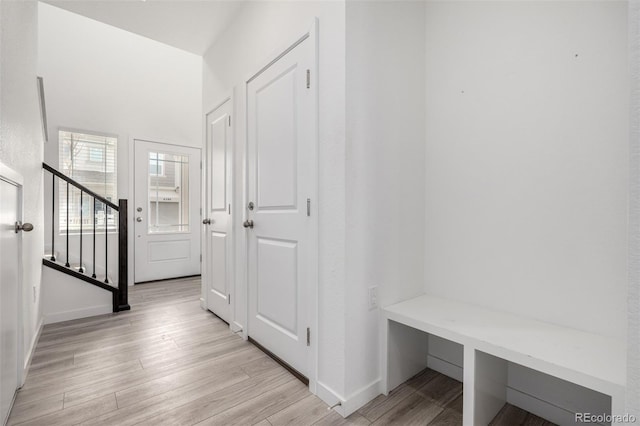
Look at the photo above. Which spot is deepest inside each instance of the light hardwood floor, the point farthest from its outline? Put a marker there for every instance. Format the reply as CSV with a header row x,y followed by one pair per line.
x,y
168,362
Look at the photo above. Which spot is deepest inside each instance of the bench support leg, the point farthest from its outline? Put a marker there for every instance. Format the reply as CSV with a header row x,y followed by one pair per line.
x,y
485,386
407,353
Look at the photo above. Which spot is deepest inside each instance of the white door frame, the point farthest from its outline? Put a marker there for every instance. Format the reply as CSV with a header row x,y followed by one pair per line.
x,y
12,176
131,213
231,264
242,279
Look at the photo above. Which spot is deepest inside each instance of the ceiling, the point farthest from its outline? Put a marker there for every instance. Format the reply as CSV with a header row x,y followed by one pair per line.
x,y
189,25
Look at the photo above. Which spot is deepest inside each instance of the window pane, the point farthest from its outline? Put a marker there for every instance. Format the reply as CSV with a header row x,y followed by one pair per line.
x,y
91,161
168,193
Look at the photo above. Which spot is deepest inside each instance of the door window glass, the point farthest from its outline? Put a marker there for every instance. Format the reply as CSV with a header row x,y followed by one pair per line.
x,y
168,193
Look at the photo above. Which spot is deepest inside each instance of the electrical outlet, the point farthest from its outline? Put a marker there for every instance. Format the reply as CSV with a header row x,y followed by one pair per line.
x,y
373,297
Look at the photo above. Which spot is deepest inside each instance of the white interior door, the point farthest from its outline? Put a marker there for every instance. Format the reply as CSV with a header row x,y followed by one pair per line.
x,y
167,211
281,180
218,268
9,283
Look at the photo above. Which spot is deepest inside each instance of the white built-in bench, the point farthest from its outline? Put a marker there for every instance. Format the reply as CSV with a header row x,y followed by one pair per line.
x,y
491,340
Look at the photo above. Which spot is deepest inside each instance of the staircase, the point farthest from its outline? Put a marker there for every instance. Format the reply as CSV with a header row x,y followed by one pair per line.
x,y
96,272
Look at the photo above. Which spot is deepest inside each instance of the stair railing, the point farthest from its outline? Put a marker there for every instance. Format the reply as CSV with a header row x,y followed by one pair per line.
x,y
120,293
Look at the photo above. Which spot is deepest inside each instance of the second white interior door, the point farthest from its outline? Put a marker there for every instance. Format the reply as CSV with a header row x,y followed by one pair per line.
x,y
282,179
218,269
167,211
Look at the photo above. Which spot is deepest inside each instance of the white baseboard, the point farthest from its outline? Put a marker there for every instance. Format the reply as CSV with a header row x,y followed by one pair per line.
x,y
358,399
202,304
31,350
329,396
540,408
235,327
78,313
352,403
444,367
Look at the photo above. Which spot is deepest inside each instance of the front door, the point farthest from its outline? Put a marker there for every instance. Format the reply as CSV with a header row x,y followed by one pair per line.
x,y
9,283
167,211
218,268
282,179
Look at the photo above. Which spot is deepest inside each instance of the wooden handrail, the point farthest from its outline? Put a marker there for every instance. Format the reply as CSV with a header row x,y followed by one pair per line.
x,y
80,186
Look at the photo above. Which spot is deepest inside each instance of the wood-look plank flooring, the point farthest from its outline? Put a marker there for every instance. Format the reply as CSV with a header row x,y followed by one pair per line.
x,y
168,362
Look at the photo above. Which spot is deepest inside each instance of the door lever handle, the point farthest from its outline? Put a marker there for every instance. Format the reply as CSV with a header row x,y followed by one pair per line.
x,y
206,221
248,224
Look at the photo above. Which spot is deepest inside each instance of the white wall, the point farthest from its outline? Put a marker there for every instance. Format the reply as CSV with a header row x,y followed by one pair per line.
x,y
57,306
21,142
260,30
527,159
385,74
633,303
104,79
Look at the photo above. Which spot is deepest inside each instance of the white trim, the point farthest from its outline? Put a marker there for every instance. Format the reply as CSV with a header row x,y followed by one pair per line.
x,y
90,311
235,327
541,408
353,402
312,297
227,97
86,132
10,175
445,367
331,397
30,352
359,398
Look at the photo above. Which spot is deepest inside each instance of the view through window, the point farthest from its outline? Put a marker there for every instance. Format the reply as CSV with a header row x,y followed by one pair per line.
x,y
91,160
168,193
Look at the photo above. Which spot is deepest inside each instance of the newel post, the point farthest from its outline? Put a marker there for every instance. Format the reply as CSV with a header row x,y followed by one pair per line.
x,y
123,266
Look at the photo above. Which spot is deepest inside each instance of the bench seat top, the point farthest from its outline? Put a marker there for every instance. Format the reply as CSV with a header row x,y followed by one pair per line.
x,y
591,360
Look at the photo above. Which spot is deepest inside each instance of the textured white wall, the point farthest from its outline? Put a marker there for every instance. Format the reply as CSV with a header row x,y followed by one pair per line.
x,y
385,111
104,79
527,159
21,143
260,30
633,307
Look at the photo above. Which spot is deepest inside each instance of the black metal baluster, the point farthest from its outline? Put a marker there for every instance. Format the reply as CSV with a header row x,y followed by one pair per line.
x,y
81,269
67,264
106,251
94,238
53,218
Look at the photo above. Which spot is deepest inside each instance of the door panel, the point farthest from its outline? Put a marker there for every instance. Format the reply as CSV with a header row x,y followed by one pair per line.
x,y
218,233
218,183
277,285
281,177
167,211
218,264
276,142
9,279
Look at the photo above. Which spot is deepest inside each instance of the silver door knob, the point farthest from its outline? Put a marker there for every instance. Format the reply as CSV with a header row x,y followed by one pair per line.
x,y
206,222
26,227
248,224
138,219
